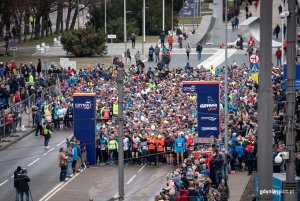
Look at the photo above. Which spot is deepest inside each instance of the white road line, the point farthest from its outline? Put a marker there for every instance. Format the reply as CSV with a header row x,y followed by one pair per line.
x,y
141,168
70,135
60,184
48,152
58,189
4,182
130,180
60,143
33,162
116,195
12,176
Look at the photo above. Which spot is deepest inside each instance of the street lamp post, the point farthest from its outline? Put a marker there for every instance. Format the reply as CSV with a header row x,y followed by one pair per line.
x,y
120,133
194,14
172,16
78,14
282,34
105,28
144,26
226,83
163,18
125,32
290,184
265,118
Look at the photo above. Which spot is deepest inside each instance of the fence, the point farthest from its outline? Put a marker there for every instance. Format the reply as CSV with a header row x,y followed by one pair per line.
x,y
20,115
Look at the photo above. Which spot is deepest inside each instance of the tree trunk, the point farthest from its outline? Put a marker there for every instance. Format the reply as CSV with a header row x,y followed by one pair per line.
x,y
74,18
26,25
69,15
59,16
37,28
20,28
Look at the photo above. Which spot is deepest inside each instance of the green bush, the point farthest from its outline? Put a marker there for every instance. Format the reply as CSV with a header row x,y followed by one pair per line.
x,y
84,42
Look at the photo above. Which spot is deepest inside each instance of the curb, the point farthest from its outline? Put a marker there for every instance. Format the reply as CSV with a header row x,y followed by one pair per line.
x,y
16,139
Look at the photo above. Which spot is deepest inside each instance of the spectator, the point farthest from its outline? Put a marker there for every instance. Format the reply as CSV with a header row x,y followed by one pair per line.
x,y
278,55
62,164
22,185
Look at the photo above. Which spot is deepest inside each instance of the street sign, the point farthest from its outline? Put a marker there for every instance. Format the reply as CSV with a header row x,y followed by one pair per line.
x,y
13,48
254,68
111,36
254,58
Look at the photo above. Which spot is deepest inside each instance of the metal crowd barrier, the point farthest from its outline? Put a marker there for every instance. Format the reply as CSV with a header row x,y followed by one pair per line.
x,y
23,113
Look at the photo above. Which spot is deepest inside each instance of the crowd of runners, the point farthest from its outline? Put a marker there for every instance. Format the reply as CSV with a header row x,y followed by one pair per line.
x,y
160,121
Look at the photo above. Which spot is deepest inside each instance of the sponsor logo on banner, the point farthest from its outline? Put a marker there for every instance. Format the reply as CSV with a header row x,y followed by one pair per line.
x,y
209,118
191,88
211,104
209,128
84,106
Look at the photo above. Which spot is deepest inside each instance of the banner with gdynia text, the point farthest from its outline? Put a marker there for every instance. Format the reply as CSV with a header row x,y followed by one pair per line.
x,y
208,106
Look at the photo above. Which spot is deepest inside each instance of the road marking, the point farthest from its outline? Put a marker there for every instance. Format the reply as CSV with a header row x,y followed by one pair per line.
x,y
60,184
117,195
58,189
13,176
130,180
70,135
141,168
48,152
4,182
34,162
60,143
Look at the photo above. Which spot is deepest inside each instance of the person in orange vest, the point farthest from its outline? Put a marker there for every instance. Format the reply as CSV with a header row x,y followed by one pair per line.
x,y
160,144
190,144
170,41
151,142
105,113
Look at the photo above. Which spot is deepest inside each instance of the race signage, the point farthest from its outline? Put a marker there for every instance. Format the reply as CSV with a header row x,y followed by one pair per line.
x,y
208,106
85,122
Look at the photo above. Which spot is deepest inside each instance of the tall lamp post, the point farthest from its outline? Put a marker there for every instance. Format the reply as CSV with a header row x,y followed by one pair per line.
x,y
172,16
78,14
282,35
163,17
125,31
226,83
144,26
290,184
105,28
265,118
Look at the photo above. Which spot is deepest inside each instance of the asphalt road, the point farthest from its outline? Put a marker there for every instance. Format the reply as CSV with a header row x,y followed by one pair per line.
x,y
41,164
101,183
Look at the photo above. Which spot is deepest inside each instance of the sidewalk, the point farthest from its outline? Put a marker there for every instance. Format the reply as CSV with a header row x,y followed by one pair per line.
x,y
256,13
237,183
12,138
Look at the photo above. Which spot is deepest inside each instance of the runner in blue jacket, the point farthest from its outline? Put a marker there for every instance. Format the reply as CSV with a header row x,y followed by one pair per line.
x,y
179,147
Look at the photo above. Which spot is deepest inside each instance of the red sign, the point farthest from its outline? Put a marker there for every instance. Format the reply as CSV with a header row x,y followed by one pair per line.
x,y
253,58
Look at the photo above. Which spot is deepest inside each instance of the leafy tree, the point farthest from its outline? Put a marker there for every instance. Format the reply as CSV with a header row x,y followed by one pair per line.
x,y
135,17
84,42
117,27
